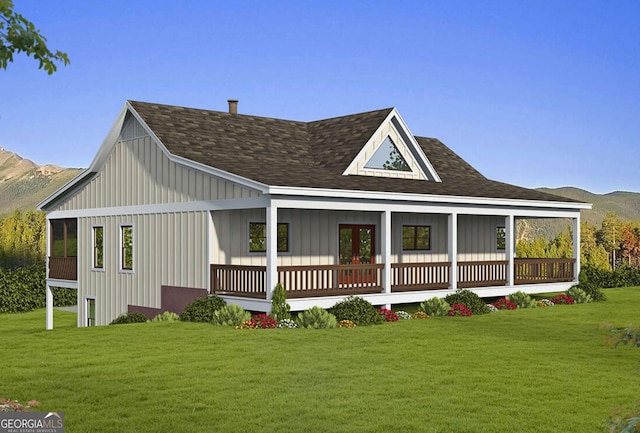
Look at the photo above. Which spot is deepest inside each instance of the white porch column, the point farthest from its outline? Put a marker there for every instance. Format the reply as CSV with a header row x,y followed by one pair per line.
x,y
272,248
452,248
576,248
386,250
49,301
509,247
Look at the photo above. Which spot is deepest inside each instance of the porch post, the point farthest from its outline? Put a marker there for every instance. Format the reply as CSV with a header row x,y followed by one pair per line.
x,y
49,303
453,249
386,250
509,244
576,248
272,249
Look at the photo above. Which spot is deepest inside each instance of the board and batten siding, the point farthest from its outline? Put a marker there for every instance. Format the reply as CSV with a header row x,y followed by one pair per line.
x,y
477,238
172,246
138,172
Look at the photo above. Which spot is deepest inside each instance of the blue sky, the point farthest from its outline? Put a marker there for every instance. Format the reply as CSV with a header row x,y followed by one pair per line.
x,y
534,93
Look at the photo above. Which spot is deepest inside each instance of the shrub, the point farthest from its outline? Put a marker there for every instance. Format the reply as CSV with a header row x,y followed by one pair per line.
x,y
504,304
230,315
469,300
167,316
562,298
578,295
202,309
287,323
435,307
420,315
264,321
316,318
358,310
279,308
522,300
129,317
595,292
346,324
403,315
247,324
389,316
459,310
545,303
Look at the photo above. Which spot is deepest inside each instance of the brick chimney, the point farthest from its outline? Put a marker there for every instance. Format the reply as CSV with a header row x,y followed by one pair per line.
x,y
233,106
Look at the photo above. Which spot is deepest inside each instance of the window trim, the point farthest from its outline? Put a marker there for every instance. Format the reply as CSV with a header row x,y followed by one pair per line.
x,y
94,266
504,231
415,238
264,252
122,269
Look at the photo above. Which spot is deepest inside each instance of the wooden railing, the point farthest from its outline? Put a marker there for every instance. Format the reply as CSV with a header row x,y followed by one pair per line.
x,y
63,268
419,276
532,271
331,280
239,280
482,274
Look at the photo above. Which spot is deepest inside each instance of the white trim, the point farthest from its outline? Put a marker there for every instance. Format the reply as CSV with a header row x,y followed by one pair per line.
x,y
385,242
86,311
425,160
509,247
49,307
576,248
69,284
272,249
452,249
93,247
121,268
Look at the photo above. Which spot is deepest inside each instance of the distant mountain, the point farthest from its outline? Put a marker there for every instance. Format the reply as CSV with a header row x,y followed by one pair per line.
x,y
24,184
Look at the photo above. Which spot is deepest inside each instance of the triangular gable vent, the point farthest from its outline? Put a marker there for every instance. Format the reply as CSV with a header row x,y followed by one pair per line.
x,y
392,152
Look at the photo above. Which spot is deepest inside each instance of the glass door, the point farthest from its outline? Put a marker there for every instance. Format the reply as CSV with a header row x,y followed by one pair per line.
x,y
357,246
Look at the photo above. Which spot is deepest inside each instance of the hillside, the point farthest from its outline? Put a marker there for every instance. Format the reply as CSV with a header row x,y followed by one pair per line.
x,y
24,184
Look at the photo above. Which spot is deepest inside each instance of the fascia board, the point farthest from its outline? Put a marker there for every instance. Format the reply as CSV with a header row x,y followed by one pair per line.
x,y
72,184
379,195
419,151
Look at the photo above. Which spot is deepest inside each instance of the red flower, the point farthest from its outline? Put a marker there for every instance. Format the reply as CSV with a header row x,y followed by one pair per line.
x,y
504,304
562,298
389,316
459,310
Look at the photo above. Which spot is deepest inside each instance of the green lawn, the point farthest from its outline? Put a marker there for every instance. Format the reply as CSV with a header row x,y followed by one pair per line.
x,y
538,370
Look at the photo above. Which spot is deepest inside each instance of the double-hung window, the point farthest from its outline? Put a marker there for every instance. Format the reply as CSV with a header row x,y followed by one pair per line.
x,y
126,247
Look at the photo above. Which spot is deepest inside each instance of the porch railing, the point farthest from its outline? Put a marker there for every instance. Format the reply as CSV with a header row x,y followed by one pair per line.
x,y
531,271
330,280
482,274
419,276
63,268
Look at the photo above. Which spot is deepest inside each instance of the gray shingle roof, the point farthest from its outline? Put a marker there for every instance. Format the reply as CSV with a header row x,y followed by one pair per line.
x,y
310,154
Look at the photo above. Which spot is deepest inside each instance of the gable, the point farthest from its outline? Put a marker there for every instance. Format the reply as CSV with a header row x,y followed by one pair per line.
x,y
392,152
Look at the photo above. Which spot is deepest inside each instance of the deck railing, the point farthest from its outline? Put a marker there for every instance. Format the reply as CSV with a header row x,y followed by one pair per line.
x,y
419,276
331,280
482,274
532,271
63,268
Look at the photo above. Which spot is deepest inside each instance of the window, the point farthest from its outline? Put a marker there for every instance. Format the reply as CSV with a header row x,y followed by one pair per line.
x,y
98,248
126,248
91,312
258,237
64,238
416,238
387,157
501,238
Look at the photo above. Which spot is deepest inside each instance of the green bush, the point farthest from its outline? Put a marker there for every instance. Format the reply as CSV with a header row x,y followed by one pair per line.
x,y
202,309
64,297
316,318
522,300
469,299
596,293
435,307
358,310
579,296
623,276
129,317
167,316
280,310
230,315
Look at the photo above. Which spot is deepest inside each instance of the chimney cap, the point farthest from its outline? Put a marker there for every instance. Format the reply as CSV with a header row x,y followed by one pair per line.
x,y
233,106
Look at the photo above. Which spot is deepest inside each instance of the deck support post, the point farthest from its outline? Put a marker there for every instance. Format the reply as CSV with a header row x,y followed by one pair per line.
x,y
510,246
49,303
452,237
386,251
272,249
576,248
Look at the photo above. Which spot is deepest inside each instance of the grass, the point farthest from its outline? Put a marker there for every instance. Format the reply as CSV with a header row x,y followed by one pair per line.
x,y
536,370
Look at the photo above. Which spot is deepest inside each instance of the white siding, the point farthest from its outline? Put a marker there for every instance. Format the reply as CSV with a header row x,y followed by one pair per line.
x,y
169,249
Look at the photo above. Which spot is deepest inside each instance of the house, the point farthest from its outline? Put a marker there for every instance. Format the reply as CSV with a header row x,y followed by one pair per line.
x,y
181,202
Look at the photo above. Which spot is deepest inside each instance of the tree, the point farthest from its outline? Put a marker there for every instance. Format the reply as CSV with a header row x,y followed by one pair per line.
x,y
19,35
609,235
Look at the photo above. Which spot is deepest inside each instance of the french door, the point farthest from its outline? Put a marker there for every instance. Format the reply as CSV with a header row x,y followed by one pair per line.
x,y
357,246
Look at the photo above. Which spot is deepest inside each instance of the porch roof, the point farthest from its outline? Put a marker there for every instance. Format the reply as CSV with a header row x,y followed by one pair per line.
x,y
287,153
